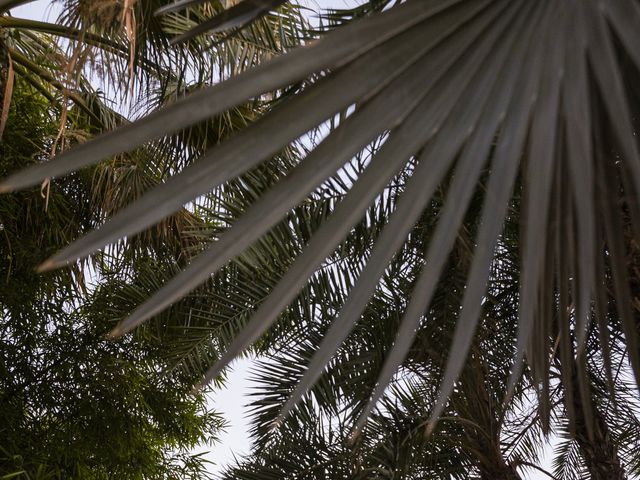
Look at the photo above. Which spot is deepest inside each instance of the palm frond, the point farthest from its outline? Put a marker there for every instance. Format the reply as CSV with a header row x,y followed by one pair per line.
x,y
536,91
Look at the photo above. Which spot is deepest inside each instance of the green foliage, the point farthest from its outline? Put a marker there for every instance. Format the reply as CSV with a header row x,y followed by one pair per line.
x,y
75,405
496,215
85,407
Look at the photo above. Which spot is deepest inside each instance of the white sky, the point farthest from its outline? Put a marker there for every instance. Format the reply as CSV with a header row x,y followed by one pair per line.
x,y
38,10
230,401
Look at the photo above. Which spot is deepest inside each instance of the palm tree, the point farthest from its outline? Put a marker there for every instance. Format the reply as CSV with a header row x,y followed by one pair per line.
x,y
541,96
74,405
397,442
478,435
62,386
56,60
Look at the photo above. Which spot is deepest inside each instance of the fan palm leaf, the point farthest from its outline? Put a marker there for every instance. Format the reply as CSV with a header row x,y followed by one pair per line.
x,y
540,91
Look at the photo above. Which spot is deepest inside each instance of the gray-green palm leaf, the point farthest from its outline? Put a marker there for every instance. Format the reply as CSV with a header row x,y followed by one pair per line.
x,y
542,93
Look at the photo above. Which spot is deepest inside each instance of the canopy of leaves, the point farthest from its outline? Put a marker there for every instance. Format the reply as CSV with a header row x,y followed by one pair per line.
x,y
75,405
480,82
495,110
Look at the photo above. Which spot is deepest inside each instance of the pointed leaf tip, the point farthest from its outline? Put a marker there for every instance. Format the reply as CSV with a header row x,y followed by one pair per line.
x,y
197,388
355,435
117,332
277,423
431,426
46,266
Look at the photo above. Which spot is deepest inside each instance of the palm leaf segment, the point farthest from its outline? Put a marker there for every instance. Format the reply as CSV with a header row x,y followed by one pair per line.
x,y
538,94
